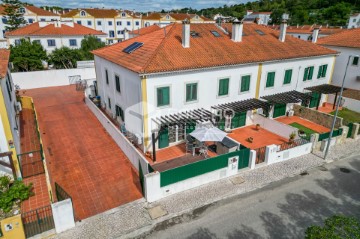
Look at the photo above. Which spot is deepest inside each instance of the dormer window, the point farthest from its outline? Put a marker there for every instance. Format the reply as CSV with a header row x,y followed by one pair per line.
x,y
196,17
22,10
83,13
167,17
123,14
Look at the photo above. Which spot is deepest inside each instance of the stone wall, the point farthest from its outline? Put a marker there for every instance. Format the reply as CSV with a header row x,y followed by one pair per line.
x,y
317,116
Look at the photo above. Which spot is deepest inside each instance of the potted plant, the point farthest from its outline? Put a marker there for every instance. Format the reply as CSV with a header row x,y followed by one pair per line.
x,y
301,133
292,137
257,127
250,139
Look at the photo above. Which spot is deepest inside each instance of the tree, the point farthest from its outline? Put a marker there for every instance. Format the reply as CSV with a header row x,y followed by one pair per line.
x,y
14,15
88,44
28,56
65,58
336,227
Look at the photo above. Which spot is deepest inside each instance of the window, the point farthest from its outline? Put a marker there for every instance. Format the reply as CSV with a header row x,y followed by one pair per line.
x,y
17,42
120,112
110,23
191,92
83,13
118,32
163,96
167,17
110,42
322,71
245,83
51,42
22,10
123,14
42,19
4,20
287,77
78,22
137,23
109,103
107,76
117,83
118,23
128,23
89,23
354,20
9,87
73,42
37,41
223,87
111,34
308,73
270,81
355,61
31,20
99,23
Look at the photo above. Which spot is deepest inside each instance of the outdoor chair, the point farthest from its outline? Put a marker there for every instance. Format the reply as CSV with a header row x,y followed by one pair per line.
x,y
189,147
203,151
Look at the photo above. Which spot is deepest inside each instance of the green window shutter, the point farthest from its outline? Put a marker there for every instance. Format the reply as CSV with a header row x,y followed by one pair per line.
x,y
306,73
223,86
323,74
311,71
320,72
270,79
163,96
245,83
355,61
191,92
117,83
288,75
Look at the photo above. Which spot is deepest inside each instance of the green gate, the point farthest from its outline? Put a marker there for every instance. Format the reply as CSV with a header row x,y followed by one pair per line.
x,y
238,120
141,176
164,138
244,158
314,100
350,125
279,110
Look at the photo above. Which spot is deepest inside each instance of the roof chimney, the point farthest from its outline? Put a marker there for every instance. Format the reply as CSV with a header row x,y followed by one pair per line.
x,y
237,29
315,35
186,33
283,27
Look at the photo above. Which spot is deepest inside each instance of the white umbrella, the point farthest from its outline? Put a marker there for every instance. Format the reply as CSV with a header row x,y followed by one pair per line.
x,y
208,134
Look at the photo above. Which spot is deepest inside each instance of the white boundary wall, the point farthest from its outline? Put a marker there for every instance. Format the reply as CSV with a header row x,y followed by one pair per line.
x,y
273,156
48,78
274,126
63,214
124,144
351,104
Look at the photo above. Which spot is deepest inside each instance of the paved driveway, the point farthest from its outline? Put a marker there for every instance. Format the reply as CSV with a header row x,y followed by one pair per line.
x,y
81,157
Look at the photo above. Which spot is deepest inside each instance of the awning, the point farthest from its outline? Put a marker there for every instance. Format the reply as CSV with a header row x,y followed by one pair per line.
x,y
287,97
243,106
325,89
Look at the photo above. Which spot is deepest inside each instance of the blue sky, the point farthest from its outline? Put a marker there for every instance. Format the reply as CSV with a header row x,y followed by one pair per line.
x,y
138,5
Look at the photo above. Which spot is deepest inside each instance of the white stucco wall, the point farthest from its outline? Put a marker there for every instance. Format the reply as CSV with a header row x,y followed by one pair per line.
x,y
273,156
349,103
354,21
63,214
274,126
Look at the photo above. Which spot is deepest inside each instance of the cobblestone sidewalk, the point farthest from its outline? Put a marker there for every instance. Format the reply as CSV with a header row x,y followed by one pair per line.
x,y
133,218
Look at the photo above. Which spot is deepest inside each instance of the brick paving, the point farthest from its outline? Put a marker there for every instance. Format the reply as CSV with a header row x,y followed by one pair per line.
x,y
327,108
40,189
307,123
81,156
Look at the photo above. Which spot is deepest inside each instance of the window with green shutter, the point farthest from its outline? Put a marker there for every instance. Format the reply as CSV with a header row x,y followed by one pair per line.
x,y
191,92
163,96
119,112
308,73
223,86
287,78
270,79
245,83
117,83
355,61
322,71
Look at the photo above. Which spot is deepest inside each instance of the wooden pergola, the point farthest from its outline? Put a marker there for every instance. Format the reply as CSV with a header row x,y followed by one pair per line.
x,y
244,105
287,97
326,89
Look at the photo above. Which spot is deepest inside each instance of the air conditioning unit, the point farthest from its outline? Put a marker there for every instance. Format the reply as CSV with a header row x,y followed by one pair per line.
x,y
18,107
291,113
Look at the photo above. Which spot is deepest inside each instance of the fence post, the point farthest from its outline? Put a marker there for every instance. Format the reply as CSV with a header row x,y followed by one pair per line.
x,y
252,159
269,153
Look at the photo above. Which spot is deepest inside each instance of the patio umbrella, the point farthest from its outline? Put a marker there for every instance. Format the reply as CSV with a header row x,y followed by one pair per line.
x,y
208,134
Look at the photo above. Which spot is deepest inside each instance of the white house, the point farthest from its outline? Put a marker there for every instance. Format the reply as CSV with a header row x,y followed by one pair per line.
x,y
262,18
198,66
347,43
31,14
163,19
55,34
354,21
9,120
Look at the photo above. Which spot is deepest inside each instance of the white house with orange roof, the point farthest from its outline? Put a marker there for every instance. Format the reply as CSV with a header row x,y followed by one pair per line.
x,y
194,66
354,21
163,19
52,35
262,18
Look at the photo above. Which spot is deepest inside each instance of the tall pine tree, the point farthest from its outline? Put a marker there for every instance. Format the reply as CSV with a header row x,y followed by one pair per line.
x,y
14,15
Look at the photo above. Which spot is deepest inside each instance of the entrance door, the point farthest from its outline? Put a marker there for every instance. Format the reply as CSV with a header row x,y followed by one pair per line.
x,y
279,110
164,138
314,100
238,120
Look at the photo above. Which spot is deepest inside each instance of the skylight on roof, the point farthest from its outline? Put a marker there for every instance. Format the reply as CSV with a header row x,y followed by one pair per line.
x,y
194,34
215,33
260,32
133,47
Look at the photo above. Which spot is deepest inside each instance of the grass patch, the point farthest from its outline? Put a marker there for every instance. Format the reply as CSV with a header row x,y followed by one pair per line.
x,y
307,131
348,115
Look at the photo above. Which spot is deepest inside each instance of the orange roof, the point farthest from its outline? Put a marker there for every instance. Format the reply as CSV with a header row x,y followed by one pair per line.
x,y
307,29
176,16
153,16
35,30
97,13
145,30
4,62
2,10
165,53
348,38
40,12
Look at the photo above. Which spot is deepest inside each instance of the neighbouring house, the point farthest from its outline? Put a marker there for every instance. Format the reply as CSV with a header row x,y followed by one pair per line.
x,y
9,118
32,14
163,19
143,31
354,21
113,22
52,35
347,43
262,18
197,66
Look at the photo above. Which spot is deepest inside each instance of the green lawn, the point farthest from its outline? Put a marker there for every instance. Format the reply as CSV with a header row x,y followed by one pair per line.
x,y
348,115
307,131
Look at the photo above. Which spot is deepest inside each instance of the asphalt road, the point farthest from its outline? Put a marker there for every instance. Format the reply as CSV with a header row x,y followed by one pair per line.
x,y
281,210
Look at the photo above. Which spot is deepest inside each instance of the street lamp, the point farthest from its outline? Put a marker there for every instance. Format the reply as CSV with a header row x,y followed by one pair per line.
x,y
337,107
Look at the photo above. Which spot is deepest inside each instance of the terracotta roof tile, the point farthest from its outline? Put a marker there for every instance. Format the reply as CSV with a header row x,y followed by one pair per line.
x,y
162,54
153,16
2,10
40,12
97,13
4,62
145,30
348,38
35,30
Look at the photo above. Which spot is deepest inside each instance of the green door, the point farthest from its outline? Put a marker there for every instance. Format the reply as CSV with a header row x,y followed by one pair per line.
x,y
190,128
279,110
221,123
164,138
314,100
238,120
